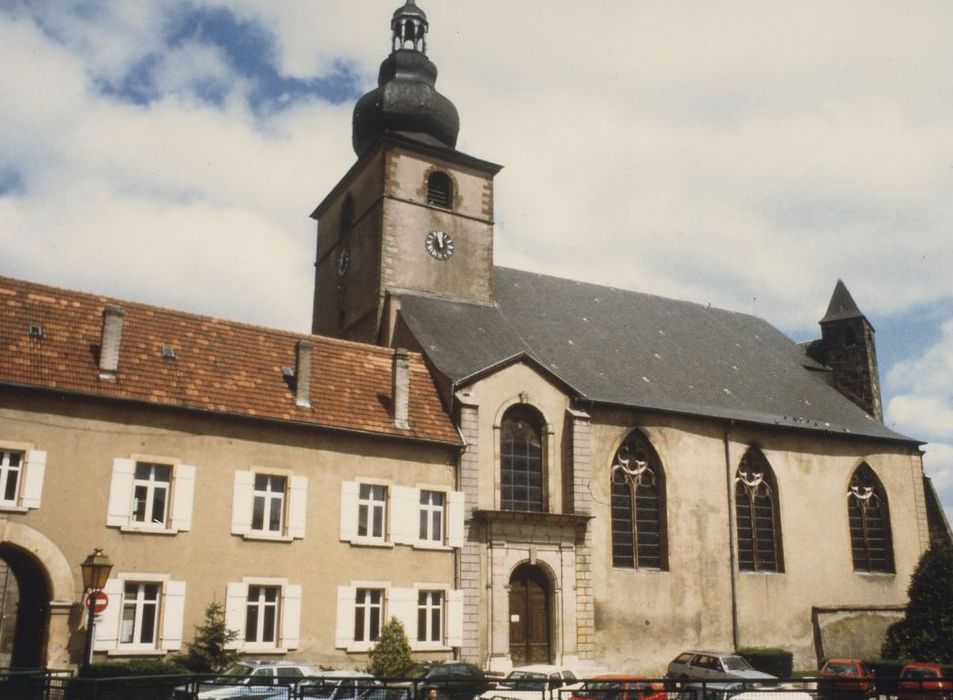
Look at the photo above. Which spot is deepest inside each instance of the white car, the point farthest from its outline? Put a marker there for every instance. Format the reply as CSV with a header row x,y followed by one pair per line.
x,y
536,682
249,680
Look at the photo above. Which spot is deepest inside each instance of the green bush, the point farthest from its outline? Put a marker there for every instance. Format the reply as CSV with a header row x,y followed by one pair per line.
x,y
134,667
391,657
926,631
777,662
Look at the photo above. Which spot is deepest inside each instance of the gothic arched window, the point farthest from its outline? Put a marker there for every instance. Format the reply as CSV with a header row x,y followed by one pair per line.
x,y
757,514
347,214
638,506
440,190
868,516
521,460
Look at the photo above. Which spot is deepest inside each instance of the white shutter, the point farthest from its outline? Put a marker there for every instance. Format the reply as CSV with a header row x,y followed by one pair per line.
x,y
243,494
455,526
349,491
291,617
183,490
344,624
236,597
33,480
107,622
404,515
455,619
173,612
402,604
120,492
297,506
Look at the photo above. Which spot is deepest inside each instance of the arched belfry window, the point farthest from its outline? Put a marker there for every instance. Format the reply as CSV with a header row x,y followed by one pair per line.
x,y
347,214
757,515
521,460
638,506
440,190
868,516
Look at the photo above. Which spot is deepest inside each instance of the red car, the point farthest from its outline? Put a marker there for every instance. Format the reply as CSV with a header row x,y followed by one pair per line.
x,y
619,686
924,682
847,679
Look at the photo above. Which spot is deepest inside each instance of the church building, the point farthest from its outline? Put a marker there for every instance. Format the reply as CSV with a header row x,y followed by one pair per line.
x,y
519,467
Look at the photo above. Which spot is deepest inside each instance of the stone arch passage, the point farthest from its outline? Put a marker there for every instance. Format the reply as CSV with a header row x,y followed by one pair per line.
x,y
26,608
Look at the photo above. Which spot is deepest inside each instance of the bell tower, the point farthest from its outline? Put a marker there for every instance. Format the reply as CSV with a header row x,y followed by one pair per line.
x,y
413,213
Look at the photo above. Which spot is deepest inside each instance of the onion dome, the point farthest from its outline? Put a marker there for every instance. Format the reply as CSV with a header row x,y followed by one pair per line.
x,y
405,100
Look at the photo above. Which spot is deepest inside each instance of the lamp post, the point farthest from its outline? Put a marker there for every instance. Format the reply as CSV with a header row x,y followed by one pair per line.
x,y
96,570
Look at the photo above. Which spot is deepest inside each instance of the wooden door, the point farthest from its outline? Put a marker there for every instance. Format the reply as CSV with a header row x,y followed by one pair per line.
x,y
529,616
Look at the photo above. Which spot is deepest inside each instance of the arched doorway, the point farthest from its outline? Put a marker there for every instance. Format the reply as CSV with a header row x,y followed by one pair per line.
x,y
25,595
530,616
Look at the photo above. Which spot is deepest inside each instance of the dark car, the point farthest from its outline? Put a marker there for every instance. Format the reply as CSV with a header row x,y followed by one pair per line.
x,y
845,679
453,680
921,681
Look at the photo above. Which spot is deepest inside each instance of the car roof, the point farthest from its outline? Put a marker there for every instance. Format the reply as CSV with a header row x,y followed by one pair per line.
x,y
709,653
344,674
618,677
541,668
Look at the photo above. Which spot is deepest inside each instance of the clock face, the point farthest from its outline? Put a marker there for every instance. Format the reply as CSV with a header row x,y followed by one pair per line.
x,y
439,245
344,259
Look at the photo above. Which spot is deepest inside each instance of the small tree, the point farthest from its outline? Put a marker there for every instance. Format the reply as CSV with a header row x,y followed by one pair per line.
x,y
207,653
926,631
391,657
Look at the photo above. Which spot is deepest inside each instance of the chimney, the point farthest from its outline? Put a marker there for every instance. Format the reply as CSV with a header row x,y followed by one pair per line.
x,y
110,341
401,388
303,374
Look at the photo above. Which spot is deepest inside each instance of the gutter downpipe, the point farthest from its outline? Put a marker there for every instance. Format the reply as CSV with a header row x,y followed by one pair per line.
x,y
732,544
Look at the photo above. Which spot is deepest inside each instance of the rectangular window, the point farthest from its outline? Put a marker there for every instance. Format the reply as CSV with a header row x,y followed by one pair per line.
x,y
368,611
371,511
151,488
430,616
11,469
140,614
261,614
268,506
431,516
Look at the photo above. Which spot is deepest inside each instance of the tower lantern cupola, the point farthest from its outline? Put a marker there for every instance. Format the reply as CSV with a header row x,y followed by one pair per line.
x,y
409,26
405,101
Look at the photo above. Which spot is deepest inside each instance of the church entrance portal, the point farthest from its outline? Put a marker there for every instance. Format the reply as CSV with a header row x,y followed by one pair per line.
x,y
530,616
25,608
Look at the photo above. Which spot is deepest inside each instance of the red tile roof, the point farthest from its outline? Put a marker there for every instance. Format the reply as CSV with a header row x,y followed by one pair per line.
x,y
220,366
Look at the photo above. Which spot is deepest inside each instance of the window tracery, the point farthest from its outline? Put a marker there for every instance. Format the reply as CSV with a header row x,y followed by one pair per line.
x,y
638,506
757,517
868,515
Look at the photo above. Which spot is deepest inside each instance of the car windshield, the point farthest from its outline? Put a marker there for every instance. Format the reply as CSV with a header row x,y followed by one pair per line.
x,y
735,663
526,680
918,673
841,669
239,670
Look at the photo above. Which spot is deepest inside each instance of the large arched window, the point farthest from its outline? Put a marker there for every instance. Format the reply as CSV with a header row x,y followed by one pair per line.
x,y
440,189
521,460
757,515
868,516
638,506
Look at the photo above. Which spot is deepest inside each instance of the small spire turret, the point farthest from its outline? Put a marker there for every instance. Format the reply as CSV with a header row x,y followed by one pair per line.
x,y
409,27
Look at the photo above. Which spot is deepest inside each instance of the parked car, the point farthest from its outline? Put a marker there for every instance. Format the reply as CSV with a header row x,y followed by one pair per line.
x,y
338,685
619,686
535,682
922,681
251,680
845,679
713,666
452,680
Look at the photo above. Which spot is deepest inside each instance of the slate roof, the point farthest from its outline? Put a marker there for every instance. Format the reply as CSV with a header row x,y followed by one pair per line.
x,y
621,347
842,306
219,367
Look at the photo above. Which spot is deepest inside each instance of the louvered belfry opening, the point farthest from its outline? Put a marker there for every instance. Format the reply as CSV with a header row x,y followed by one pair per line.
x,y
440,190
638,506
757,515
521,460
868,516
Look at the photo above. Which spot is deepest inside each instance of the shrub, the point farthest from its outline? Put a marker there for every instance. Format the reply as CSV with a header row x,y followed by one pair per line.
x,y
777,662
135,667
391,657
926,631
207,653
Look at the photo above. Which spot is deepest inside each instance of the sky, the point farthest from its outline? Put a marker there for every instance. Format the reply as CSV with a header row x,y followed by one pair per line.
x,y
746,154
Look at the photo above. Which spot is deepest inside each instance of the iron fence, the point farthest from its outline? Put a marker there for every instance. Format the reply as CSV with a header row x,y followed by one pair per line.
x,y
57,685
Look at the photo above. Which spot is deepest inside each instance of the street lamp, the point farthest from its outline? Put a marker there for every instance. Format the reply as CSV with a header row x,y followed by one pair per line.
x,y
96,570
